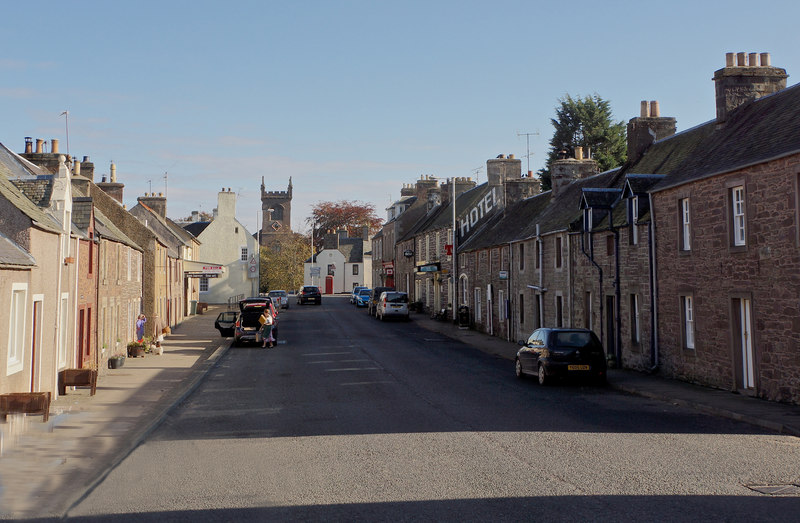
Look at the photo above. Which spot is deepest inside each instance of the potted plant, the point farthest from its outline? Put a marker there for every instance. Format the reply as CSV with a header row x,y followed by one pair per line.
x,y
116,361
136,349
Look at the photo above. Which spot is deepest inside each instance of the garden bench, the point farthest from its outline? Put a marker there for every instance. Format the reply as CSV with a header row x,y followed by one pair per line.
x,y
77,378
25,403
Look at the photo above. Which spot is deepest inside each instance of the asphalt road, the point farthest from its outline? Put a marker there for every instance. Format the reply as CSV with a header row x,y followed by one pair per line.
x,y
350,418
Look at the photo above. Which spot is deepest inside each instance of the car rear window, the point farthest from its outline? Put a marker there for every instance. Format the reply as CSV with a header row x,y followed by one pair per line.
x,y
574,339
396,297
365,292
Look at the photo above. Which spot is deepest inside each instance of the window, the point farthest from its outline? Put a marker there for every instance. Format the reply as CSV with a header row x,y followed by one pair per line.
x,y
687,315
558,252
355,270
244,254
610,245
464,290
559,311
737,205
587,310
477,304
438,246
16,330
203,284
635,333
522,309
537,253
634,220
686,222
521,257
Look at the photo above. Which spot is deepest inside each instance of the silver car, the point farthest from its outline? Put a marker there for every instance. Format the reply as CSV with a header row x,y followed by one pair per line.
x,y
392,304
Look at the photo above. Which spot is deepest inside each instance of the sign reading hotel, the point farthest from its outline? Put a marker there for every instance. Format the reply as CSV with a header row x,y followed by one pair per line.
x,y
471,219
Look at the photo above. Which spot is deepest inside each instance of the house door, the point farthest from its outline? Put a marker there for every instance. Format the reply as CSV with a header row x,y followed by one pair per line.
x,y
36,345
610,322
743,338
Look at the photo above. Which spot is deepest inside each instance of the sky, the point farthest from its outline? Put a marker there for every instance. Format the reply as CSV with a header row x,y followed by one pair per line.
x,y
351,99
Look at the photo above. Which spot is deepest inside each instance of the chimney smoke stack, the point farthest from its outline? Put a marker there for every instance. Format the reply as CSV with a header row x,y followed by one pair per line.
x,y
54,146
39,143
28,145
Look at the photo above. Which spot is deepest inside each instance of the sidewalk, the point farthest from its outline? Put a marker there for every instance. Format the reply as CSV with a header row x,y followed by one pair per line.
x,y
778,417
46,467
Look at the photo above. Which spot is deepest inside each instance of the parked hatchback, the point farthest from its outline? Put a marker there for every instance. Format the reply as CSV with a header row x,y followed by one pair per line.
x,y
280,299
551,353
309,293
392,304
362,298
356,291
244,325
373,300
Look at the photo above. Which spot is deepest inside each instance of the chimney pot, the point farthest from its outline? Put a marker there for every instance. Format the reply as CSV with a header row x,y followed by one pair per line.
x,y
113,175
28,145
579,153
741,60
54,146
644,109
655,112
39,143
765,60
729,60
510,156
85,158
752,59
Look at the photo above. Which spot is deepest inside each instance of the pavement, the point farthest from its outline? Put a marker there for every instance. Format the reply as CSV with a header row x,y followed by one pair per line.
x,y
46,468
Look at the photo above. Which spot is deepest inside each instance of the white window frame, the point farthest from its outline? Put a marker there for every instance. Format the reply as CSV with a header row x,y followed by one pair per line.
x,y
501,305
635,220
438,248
637,333
203,283
17,326
688,321
464,289
738,215
686,225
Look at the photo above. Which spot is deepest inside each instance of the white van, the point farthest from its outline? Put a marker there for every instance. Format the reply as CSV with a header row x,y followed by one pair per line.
x,y
392,304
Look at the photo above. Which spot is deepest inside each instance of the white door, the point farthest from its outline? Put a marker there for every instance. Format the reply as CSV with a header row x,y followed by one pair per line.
x,y
748,373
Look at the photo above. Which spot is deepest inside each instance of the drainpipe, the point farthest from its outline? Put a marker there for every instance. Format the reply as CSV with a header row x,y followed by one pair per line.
x,y
653,290
509,320
590,256
617,293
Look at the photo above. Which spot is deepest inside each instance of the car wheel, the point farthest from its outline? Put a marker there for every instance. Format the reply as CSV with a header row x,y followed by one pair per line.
x,y
543,379
518,369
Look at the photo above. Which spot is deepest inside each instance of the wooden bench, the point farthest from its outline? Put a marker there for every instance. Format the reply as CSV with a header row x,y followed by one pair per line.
x,y
25,403
77,378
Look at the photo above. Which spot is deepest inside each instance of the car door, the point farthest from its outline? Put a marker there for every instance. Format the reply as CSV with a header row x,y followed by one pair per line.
x,y
529,354
225,323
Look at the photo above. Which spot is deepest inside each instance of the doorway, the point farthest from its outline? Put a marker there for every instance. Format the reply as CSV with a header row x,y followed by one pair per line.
x,y
611,320
743,350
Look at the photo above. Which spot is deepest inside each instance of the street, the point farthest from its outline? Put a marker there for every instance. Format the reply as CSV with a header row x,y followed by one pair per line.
x,y
349,418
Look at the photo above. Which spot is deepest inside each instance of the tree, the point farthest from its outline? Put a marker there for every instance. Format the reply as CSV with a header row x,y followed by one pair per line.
x,y
282,261
586,122
332,216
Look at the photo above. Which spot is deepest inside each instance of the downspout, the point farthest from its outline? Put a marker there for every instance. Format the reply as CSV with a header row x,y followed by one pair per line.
x,y
590,256
540,302
78,351
570,280
617,293
653,289
507,304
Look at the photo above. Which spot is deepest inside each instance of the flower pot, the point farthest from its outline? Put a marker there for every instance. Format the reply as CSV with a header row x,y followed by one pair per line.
x,y
115,362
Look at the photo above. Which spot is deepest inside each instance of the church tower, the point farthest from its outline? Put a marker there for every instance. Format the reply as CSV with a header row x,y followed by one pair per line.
x,y
276,213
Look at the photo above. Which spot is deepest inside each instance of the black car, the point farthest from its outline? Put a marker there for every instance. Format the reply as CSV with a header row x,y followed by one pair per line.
x,y
309,293
372,305
551,353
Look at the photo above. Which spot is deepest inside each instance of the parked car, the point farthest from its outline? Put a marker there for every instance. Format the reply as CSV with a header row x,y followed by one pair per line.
x,y
355,292
392,304
373,300
362,298
550,353
280,299
244,325
309,293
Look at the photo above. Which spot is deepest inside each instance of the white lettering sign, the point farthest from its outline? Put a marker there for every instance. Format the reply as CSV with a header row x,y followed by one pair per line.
x,y
476,214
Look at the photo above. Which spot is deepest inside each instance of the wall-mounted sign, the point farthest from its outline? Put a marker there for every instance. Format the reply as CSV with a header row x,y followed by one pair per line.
x,y
503,275
429,267
408,253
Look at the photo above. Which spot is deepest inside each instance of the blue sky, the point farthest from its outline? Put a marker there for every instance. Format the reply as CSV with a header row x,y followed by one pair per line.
x,y
352,99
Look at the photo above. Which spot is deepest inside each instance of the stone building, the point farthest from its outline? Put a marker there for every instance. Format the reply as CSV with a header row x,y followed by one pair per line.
x,y
276,213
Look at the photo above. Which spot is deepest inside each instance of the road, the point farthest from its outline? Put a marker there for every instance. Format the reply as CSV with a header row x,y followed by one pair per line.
x,y
350,418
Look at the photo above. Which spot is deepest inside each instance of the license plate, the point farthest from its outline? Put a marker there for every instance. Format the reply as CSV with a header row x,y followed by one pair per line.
x,y
397,306
578,367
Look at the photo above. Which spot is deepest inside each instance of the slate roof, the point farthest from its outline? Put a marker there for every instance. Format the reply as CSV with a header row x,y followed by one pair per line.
x,y
756,132
18,166
107,229
196,228
14,256
353,249
39,218
82,212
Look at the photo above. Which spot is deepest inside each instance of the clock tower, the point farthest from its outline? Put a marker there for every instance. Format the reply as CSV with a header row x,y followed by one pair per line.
x,y
276,213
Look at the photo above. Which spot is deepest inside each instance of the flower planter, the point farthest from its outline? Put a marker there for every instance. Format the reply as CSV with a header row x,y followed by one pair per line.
x,y
115,362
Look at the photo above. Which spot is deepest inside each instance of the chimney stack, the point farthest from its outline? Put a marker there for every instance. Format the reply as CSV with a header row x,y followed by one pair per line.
x,y
647,128
567,170
54,146
39,143
28,145
113,173
747,78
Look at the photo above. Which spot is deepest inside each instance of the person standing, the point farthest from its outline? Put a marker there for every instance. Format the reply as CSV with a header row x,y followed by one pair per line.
x,y
266,320
140,321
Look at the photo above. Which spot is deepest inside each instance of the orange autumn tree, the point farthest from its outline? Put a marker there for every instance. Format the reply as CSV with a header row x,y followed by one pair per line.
x,y
332,216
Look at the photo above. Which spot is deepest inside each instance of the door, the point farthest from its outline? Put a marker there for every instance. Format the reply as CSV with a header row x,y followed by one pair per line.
x,y
328,284
36,345
610,321
743,340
